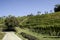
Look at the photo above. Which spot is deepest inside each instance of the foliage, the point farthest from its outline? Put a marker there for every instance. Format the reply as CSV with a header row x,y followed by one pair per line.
x,y
35,34
57,8
11,22
27,36
44,24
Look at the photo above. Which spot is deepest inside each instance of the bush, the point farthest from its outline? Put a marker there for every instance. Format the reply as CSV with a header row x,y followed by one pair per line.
x,y
29,37
49,30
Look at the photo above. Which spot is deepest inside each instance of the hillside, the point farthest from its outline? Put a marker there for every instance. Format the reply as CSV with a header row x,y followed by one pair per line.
x,y
45,23
44,19
42,25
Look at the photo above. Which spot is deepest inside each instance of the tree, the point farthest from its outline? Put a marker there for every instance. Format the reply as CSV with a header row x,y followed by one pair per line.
x,y
57,8
38,13
30,14
46,12
11,22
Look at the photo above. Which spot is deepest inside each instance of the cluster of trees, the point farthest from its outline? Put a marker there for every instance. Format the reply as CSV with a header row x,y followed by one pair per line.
x,y
11,22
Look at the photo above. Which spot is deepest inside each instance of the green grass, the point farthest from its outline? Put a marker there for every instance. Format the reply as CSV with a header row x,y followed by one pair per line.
x,y
44,19
18,31
1,35
39,36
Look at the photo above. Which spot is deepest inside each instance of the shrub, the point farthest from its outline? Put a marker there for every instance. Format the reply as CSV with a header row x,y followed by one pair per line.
x,y
29,37
49,30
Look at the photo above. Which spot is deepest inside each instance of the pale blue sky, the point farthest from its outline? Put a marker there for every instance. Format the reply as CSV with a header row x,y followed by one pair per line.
x,y
25,7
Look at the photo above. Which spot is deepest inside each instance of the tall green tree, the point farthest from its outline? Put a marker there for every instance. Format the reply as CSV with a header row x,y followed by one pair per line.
x,y
57,8
11,22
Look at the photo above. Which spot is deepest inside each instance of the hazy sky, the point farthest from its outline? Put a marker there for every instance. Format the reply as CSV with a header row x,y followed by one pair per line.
x,y
25,7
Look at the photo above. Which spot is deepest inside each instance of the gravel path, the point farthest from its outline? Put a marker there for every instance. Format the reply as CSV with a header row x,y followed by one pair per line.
x,y
11,36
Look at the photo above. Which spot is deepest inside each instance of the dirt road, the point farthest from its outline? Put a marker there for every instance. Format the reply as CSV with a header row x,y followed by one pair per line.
x,y
11,36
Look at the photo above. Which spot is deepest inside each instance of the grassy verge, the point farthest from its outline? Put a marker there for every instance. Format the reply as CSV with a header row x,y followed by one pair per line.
x,y
39,36
1,35
18,31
